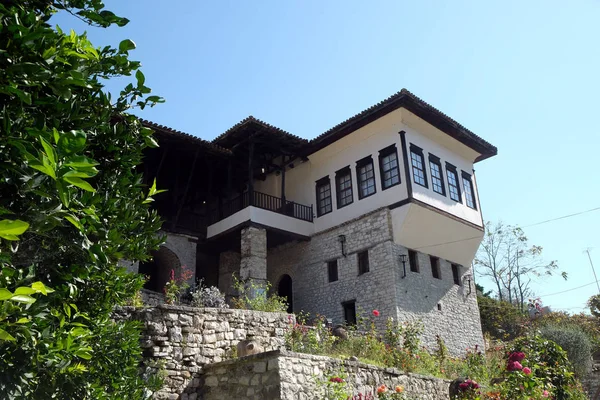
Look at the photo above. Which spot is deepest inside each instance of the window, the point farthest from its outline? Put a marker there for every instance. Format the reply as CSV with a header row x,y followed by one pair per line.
x,y
413,260
365,174
453,187
363,262
435,267
323,196
343,179
332,270
350,312
469,193
456,274
418,166
439,306
388,167
437,179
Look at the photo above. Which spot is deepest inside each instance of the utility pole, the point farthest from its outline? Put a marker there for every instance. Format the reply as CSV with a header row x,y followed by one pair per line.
x,y
593,270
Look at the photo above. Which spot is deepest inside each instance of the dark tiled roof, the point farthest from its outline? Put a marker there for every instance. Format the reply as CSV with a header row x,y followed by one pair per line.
x,y
165,130
406,99
227,138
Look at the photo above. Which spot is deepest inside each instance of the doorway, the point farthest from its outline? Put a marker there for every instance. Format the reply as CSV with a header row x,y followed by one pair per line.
x,y
284,289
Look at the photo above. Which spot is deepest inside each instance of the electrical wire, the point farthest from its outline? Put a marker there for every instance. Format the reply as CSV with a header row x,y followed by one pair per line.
x,y
568,290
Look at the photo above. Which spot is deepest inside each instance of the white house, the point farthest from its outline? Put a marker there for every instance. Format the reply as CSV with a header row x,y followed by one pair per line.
x,y
379,212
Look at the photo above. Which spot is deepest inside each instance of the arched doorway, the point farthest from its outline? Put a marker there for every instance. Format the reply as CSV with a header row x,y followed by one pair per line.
x,y
284,289
159,268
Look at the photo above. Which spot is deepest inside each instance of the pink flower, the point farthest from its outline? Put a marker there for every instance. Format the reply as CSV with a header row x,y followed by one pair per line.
x,y
336,379
526,370
172,274
376,313
514,366
517,356
546,393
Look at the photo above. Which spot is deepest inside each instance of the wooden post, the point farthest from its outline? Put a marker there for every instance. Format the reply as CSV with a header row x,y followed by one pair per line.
x,y
283,161
250,173
187,187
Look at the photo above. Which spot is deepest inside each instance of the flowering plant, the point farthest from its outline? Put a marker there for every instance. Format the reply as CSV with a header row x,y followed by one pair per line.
x,y
385,393
334,387
177,284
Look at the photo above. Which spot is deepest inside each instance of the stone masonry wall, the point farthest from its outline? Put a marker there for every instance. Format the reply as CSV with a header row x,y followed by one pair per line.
x,y
420,294
185,339
415,297
306,263
281,375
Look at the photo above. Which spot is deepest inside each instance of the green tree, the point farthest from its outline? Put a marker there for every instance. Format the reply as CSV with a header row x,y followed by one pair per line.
x,y
71,205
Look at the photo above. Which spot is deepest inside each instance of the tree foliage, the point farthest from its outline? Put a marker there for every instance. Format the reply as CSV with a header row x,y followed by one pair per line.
x,y
71,205
506,257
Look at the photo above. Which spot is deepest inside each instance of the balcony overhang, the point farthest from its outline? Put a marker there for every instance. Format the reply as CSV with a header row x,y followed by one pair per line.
x,y
420,227
265,218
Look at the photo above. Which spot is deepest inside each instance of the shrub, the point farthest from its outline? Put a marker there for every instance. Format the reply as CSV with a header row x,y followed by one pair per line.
x,y
211,296
500,319
590,325
316,339
575,342
253,296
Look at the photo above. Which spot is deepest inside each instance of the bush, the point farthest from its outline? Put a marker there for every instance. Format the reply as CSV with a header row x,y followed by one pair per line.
x,y
253,296
500,319
575,342
203,296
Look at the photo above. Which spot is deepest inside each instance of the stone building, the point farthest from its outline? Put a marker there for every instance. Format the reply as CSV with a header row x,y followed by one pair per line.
x,y
379,212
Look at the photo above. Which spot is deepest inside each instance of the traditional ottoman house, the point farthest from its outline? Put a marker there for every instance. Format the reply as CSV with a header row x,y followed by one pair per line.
x,y
379,212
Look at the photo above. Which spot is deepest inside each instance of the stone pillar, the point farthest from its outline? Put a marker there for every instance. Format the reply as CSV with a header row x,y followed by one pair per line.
x,y
253,264
229,263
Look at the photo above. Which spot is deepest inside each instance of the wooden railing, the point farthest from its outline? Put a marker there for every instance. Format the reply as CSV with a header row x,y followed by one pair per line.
x,y
264,201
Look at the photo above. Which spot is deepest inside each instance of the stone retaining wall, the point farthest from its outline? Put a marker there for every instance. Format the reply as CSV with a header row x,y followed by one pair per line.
x,y
281,375
185,339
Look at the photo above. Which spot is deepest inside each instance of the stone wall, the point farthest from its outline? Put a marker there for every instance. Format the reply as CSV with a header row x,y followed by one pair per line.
x,y
418,296
281,375
306,264
152,298
185,339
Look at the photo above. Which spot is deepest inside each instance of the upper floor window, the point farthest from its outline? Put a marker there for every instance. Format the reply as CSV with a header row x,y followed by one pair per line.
x,y
418,165
332,270
453,187
363,262
469,192
437,179
456,274
343,179
323,196
435,267
413,261
388,167
365,176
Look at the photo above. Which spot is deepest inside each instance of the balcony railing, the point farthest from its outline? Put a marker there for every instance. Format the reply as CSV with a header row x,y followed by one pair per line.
x,y
264,201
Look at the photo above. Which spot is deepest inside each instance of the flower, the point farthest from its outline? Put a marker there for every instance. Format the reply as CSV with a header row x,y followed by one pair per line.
x,y
527,370
172,275
336,379
376,313
514,366
381,389
399,389
546,393
516,356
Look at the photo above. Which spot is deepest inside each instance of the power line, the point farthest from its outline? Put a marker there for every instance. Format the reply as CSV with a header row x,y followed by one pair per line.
x,y
526,226
568,290
563,217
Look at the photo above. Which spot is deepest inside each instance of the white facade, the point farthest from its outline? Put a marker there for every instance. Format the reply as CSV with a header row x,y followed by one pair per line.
x,y
368,141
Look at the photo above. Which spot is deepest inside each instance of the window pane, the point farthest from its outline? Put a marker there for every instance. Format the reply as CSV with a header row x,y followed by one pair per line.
x,y
366,180
418,168
323,198
453,185
344,191
469,197
437,183
389,167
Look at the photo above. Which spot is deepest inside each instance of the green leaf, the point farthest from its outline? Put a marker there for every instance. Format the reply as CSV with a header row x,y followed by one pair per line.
x,y
24,290
81,162
23,320
41,288
63,193
6,336
10,230
80,183
84,353
72,141
5,294
140,78
24,96
22,298
49,150
126,45
75,221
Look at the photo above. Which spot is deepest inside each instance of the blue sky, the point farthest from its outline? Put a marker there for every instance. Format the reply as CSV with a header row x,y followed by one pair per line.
x,y
521,74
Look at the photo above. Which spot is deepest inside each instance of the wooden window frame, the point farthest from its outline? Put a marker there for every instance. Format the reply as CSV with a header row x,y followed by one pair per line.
x,y
382,171
436,271
451,169
363,264
466,178
413,255
342,173
417,151
325,181
359,176
435,161
333,269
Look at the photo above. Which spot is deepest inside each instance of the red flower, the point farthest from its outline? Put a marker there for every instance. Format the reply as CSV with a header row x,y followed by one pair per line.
x,y
517,356
376,313
526,370
514,366
336,379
